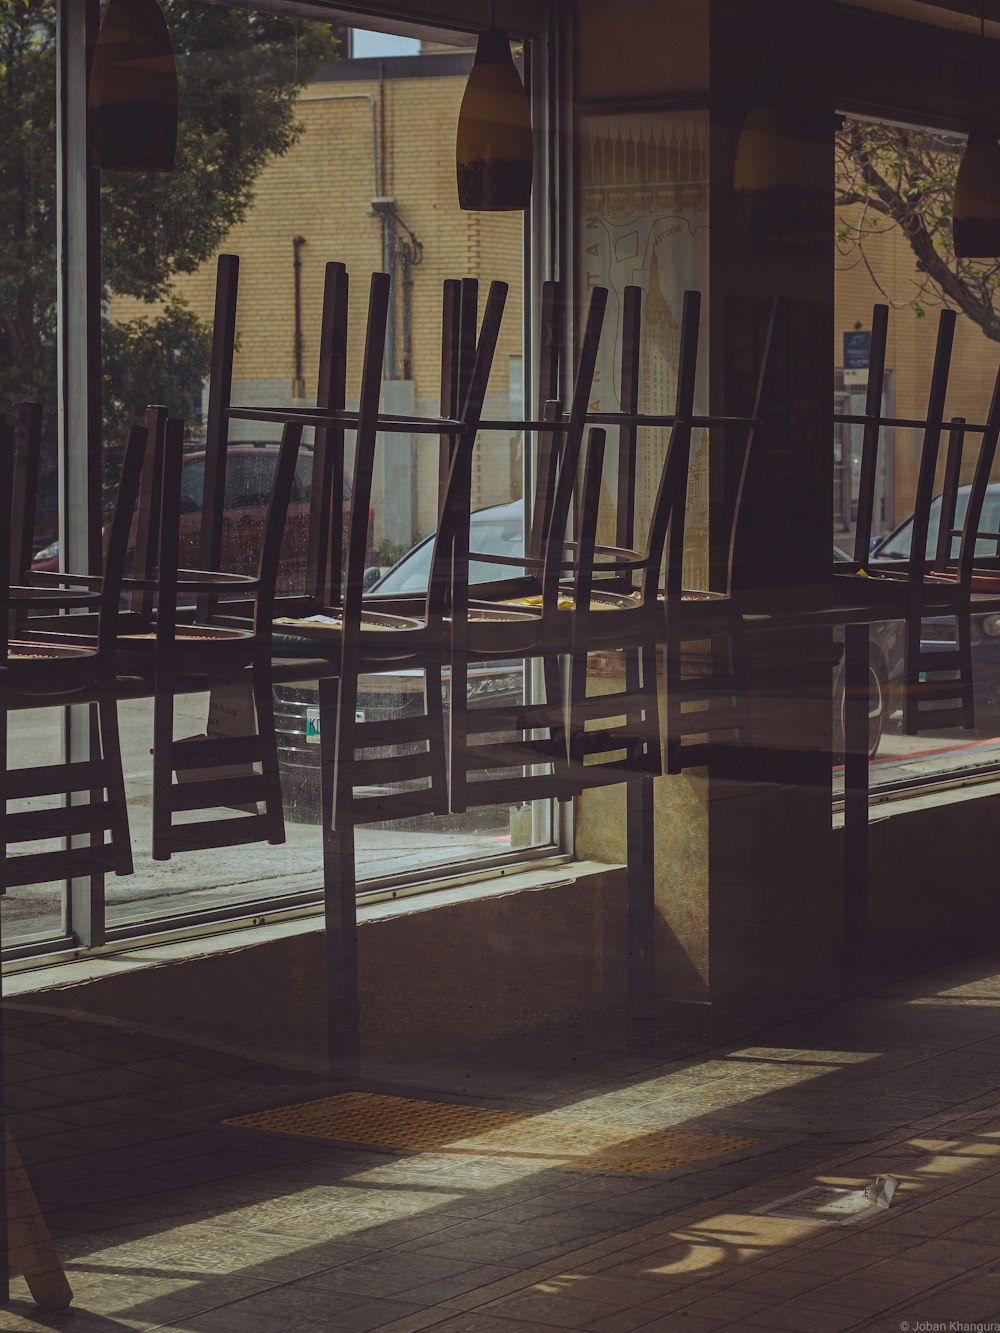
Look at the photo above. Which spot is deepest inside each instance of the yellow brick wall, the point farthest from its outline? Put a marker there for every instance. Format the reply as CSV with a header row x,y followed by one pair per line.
x,y
322,190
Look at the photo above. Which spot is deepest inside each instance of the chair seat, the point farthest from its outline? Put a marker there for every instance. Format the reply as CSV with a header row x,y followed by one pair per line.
x,y
189,635
599,601
386,636
48,668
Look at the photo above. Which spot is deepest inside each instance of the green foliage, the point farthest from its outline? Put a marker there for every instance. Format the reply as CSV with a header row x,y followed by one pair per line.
x,y
143,355
239,74
899,177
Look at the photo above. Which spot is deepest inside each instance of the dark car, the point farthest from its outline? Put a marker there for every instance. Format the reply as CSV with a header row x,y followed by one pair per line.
x,y
938,633
249,478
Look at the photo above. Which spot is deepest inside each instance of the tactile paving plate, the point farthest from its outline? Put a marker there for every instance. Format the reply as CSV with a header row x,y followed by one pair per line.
x,y
378,1121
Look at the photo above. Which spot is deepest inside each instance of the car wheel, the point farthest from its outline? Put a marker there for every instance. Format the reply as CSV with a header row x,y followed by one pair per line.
x,y
877,709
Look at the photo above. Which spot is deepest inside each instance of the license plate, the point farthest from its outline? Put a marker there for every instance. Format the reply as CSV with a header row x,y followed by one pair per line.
x,y
312,724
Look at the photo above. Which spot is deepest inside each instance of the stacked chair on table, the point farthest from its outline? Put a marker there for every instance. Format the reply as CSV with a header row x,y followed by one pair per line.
x,y
166,647
42,667
946,576
212,772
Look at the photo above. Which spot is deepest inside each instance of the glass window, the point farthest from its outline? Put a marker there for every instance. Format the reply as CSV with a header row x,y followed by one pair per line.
x,y
278,164
894,190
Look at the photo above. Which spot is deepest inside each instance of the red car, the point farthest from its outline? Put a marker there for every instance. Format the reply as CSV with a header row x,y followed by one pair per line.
x,y
249,478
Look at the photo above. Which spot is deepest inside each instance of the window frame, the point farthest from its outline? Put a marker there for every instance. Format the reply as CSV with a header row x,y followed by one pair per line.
x,y
548,70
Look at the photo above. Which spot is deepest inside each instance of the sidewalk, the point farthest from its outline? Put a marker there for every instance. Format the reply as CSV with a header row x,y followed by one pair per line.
x,y
167,1219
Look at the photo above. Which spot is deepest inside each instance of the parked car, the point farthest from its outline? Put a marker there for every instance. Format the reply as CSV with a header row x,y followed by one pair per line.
x,y
249,478
497,530
938,633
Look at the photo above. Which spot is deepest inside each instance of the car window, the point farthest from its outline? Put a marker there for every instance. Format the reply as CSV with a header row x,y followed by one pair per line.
x,y
192,485
488,536
249,478
302,481
898,545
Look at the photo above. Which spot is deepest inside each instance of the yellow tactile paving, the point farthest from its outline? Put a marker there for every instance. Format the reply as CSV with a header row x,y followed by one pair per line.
x,y
379,1121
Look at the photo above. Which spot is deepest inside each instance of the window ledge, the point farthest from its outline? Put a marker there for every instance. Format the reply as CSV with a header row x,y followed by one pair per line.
x,y
30,976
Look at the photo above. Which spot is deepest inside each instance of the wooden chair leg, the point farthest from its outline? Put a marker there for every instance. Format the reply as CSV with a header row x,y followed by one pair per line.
x,y
340,904
641,896
111,758
274,811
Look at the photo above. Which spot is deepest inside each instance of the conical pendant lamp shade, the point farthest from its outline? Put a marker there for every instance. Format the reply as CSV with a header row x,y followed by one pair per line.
x,y
494,149
976,210
132,103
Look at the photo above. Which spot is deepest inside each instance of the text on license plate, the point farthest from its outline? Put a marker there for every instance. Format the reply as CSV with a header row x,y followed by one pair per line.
x,y
312,724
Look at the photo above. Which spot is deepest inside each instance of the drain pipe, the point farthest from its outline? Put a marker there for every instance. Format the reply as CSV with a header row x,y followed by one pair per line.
x,y
298,383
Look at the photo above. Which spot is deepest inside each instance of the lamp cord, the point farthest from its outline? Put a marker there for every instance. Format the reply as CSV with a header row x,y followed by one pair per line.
x,y
982,61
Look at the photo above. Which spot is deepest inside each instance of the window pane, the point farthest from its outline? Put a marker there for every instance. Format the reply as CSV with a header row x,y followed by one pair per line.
x,y
877,261
277,164
28,365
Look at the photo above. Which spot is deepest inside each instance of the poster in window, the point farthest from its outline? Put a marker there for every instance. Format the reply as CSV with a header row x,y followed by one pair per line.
x,y
644,222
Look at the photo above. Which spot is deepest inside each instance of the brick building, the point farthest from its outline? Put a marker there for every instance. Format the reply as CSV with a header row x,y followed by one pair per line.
x,y
373,129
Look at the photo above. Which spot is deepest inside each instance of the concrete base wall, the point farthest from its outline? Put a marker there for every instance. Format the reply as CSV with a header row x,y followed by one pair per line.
x,y
451,968
433,977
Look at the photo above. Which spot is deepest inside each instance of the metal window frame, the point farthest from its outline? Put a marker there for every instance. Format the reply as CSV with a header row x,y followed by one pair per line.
x,y
79,358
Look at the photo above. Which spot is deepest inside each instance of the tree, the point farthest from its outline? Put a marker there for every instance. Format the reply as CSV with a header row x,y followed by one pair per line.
x,y
239,73
905,178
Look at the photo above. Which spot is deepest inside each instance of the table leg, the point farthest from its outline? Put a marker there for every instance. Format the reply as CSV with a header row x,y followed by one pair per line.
x,y
340,909
641,911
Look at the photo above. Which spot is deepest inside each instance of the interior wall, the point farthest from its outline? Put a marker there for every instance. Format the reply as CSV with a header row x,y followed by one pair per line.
x,y
639,49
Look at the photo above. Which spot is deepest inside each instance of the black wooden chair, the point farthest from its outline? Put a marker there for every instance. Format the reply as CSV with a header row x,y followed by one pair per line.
x,y
39,668
213,772
937,680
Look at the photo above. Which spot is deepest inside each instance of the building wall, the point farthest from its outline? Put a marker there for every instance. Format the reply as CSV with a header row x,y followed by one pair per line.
x,y
322,190
910,349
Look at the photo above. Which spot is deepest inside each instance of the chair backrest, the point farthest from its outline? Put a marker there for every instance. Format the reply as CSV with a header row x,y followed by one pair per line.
x,y
268,559
586,533
119,531
546,443
931,444
763,395
220,390
147,522
972,524
448,582
669,513
364,460
324,562
570,445
933,424
868,475
949,493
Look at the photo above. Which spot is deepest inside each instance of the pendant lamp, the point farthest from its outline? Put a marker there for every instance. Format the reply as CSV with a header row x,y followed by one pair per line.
x,y
132,102
777,207
494,149
975,218
975,214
